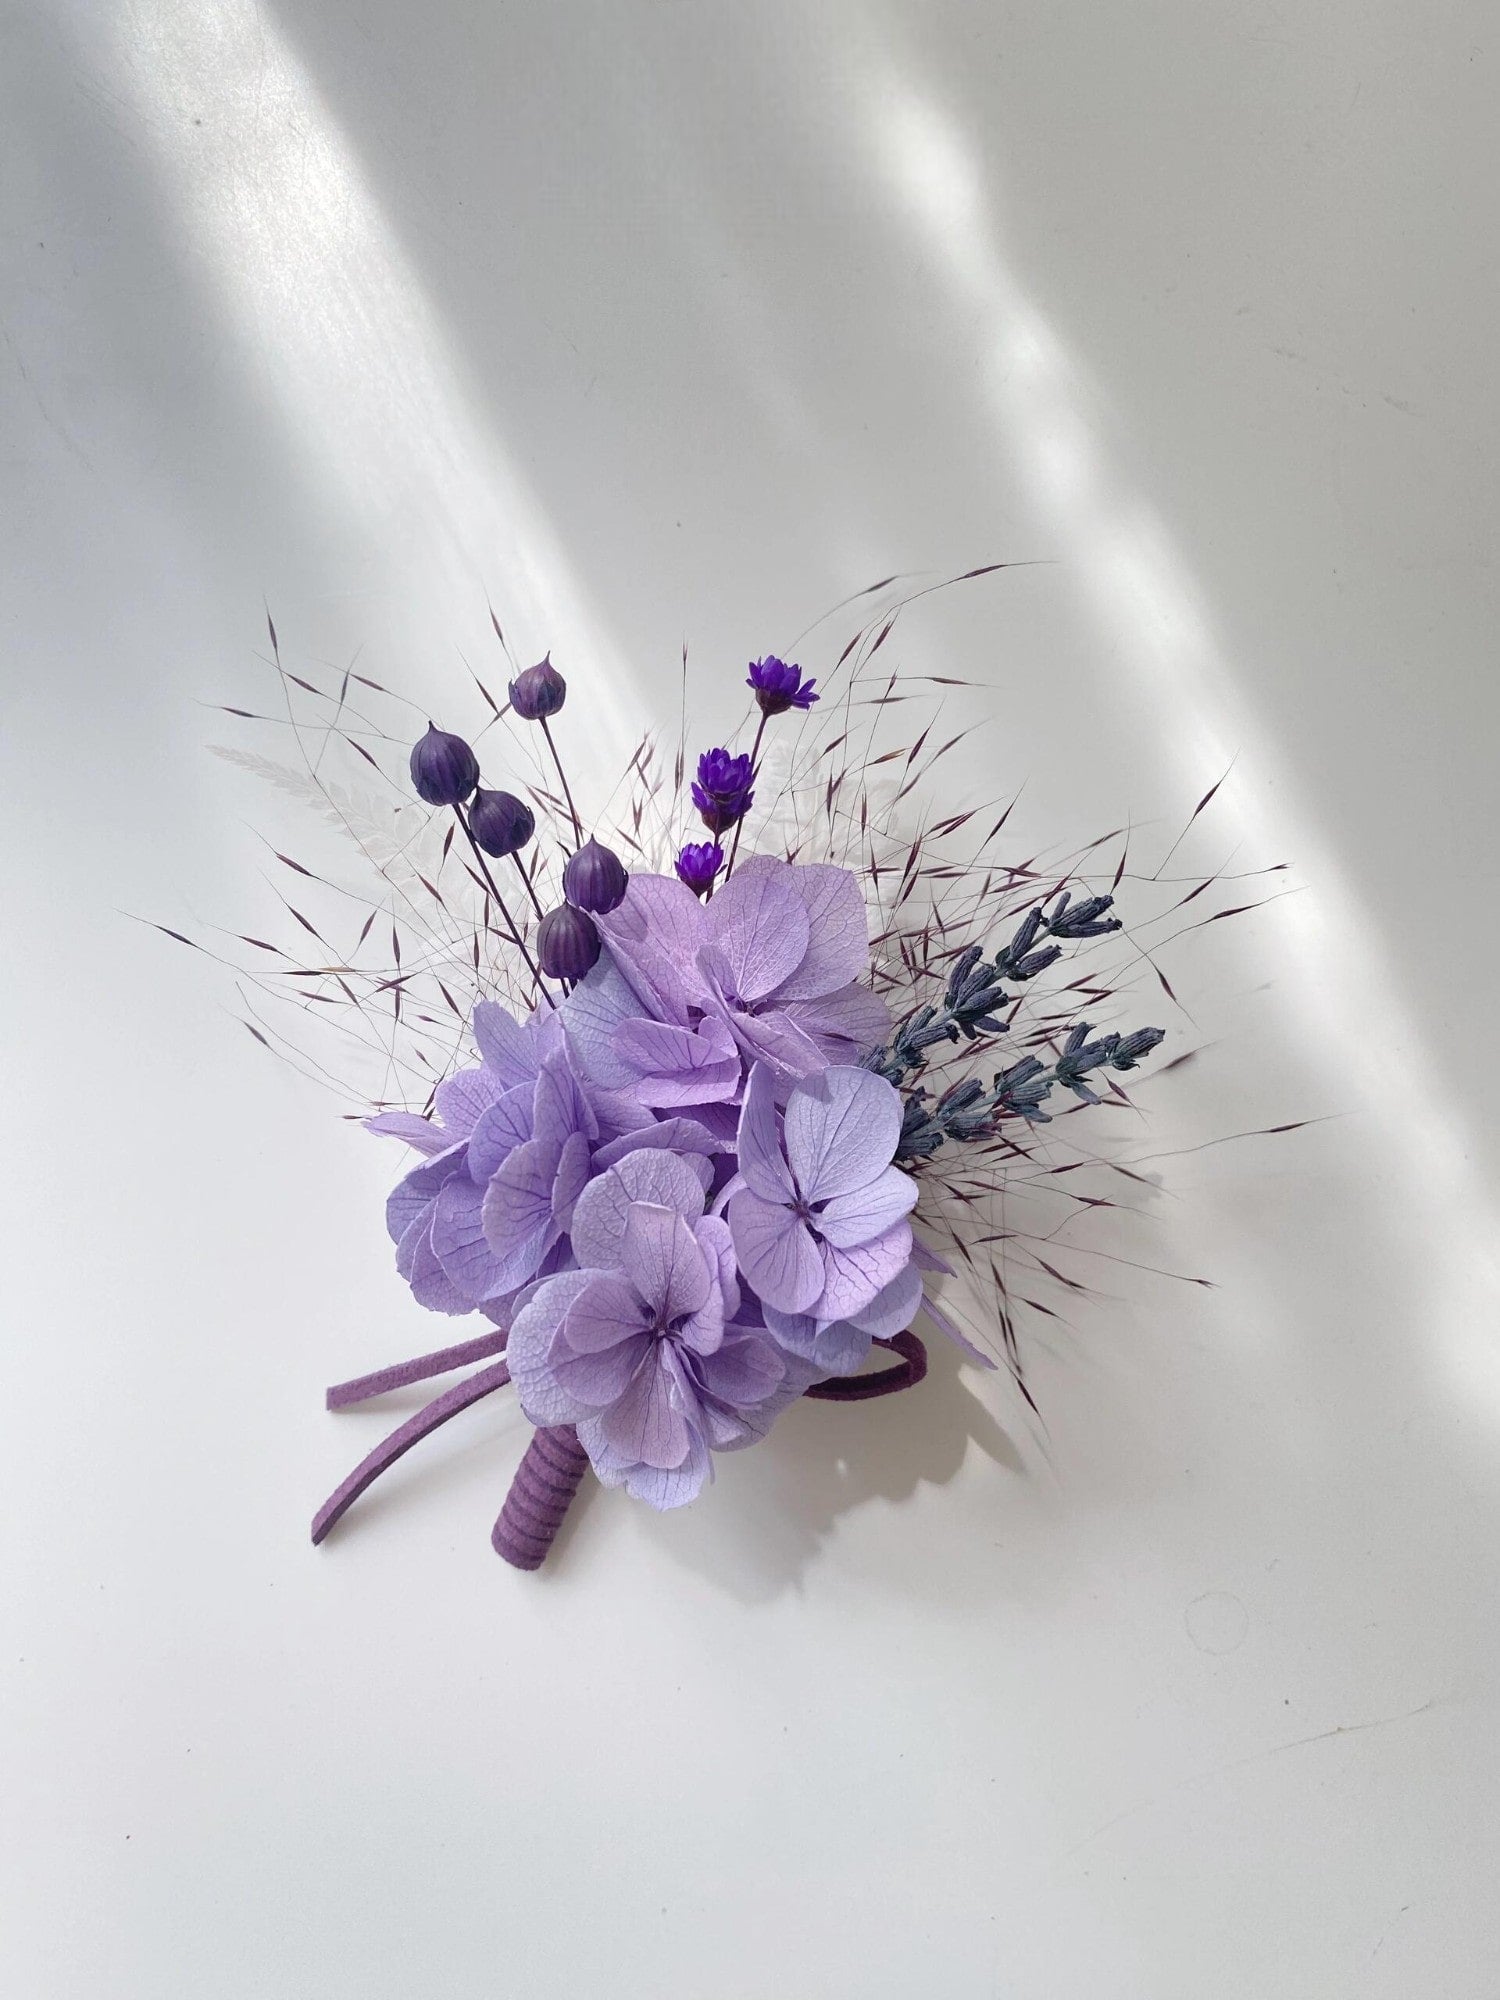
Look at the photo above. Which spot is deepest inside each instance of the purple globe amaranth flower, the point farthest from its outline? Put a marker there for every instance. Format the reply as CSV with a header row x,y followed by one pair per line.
x,y
500,822
819,1226
567,943
539,692
724,790
444,770
698,864
595,879
779,686
639,1346
777,956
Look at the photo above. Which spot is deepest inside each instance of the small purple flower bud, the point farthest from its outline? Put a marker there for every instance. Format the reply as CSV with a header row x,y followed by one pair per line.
x,y
444,769
500,822
698,864
539,692
724,790
778,686
594,879
567,943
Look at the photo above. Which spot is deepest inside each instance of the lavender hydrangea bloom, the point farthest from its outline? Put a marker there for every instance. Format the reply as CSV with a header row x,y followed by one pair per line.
x,y
776,957
494,1099
838,1346
639,1347
819,1226
488,1212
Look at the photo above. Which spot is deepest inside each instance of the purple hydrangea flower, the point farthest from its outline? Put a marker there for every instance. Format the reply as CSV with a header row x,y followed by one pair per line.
x,y
779,686
777,955
698,864
487,1212
838,1346
482,1113
819,1226
724,789
639,1346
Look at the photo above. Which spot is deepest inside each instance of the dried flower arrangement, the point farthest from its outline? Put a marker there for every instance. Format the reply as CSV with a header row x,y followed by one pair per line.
x,y
736,1115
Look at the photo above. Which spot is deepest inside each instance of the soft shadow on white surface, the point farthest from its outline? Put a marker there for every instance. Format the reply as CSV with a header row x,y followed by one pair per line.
x,y
771,1511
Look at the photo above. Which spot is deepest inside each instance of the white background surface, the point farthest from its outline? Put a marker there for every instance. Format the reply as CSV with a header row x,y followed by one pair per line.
x,y
652,321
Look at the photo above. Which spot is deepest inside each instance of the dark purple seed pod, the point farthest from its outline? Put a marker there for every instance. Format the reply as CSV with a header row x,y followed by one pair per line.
x,y
444,769
594,879
500,822
567,943
539,692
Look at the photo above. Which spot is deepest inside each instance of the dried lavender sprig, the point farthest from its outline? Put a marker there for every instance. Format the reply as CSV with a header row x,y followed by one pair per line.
x,y
967,1111
975,993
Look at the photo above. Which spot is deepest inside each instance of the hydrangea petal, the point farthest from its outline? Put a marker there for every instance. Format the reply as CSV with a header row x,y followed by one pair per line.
x,y
743,1369
529,1350
893,1310
853,1218
684,1136
758,926
853,1279
598,1226
660,1487
606,1311
835,1347
647,1423
412,1194
505,1044
838,947
600,1376
591,1013
776,1252
671,1065
461,1098
460,1245
850,1014
660,1255
498,1131
762,1163
412,1127
518,1218
841,1129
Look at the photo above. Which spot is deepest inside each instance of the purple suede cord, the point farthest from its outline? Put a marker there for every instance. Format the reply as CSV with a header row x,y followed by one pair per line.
x,y
385,1454
343,1395
907,1373
539,1497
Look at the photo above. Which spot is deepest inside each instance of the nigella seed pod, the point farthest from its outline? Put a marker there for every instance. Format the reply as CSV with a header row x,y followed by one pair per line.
x,y
500,822
594,879
539,692
444,769
567,943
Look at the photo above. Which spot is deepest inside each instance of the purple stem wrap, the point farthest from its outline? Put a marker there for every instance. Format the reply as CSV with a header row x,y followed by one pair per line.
x,y
539,1497
401,1440
343,1395
907,1373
